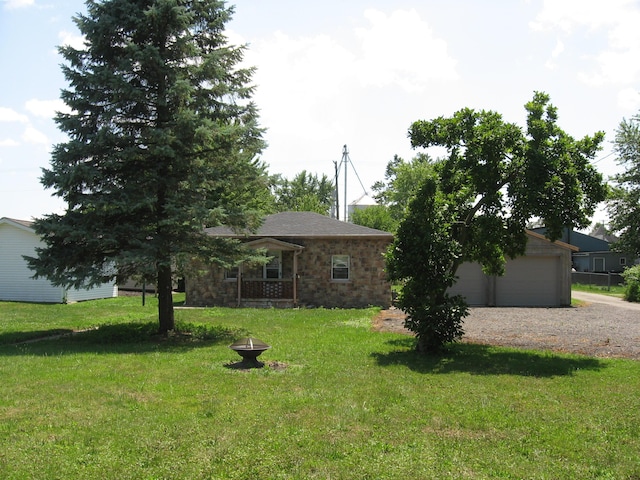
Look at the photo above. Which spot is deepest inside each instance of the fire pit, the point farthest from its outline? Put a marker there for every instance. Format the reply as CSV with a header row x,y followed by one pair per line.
x,y
249,349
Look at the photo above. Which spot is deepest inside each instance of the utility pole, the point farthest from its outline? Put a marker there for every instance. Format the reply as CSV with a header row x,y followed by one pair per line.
x,y
345,160
344,163
336,205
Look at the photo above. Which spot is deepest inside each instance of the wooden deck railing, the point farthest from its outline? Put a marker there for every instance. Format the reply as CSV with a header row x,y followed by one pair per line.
x,y
267,288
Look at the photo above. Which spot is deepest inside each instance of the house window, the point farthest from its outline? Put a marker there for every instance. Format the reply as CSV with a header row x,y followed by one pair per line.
x,y
340,267
623,261
231,273
273,268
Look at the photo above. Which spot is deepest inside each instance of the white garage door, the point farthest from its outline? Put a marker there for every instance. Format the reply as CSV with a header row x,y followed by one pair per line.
x,y
529,282
472,284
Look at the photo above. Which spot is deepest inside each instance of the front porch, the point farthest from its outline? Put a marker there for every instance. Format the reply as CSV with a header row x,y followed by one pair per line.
x,y
265,287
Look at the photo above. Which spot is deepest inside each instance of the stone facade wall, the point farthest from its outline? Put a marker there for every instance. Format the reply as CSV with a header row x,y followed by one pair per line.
x,y
367,285
208,287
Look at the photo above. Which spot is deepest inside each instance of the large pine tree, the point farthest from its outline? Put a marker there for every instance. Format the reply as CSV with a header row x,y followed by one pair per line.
x,y
162,141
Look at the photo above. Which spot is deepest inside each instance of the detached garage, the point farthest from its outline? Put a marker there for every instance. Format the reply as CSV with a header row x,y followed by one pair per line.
x,y
540,278
17,238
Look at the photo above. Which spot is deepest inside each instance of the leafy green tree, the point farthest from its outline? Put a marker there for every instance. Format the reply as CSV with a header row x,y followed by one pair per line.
x,y
375,216
475,208
163,139
304,193
402,180
624,203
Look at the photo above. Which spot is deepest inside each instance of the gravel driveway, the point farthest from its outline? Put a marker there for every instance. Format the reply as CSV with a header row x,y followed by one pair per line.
x,y
603,327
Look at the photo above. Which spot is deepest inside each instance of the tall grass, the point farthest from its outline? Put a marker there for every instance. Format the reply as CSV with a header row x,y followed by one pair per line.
x,y
334,400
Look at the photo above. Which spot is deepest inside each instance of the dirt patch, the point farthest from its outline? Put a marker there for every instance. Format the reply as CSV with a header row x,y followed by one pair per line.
x,y
246,366
391,320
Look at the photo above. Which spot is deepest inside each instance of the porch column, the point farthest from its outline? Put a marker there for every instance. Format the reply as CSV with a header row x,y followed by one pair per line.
x,y
295,276
239,283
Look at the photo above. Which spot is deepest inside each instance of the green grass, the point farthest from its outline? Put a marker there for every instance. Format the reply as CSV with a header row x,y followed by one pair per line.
x,y
614,290
335,400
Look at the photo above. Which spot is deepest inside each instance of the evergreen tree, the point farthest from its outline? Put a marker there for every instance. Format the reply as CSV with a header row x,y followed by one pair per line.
x,y
163,139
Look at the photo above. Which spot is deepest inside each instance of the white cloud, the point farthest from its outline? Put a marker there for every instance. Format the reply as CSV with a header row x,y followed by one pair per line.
x,y
629,99
46,108
616,21
32,135
567,15
8,142
14,4
555,54
296,66
72,39
10,115
402,49
317,92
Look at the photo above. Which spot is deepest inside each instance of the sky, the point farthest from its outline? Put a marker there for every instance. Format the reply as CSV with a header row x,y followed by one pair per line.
x,y
354,73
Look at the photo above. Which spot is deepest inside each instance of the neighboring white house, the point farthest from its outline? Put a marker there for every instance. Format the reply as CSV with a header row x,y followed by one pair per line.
x,y
17,238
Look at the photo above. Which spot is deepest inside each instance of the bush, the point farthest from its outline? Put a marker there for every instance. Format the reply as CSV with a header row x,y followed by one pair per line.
x,y
632,284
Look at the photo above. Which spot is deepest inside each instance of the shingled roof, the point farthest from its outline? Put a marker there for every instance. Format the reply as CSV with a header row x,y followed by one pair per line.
x,y
303,225
24,223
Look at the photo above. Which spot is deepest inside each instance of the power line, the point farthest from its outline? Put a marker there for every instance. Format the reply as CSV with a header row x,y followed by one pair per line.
x,y
603,158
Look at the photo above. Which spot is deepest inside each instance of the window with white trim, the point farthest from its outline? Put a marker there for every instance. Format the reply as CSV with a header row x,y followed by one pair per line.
x,y
623,261
340,267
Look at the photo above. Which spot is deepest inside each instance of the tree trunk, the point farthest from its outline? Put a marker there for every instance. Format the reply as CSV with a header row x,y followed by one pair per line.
x,y
165,300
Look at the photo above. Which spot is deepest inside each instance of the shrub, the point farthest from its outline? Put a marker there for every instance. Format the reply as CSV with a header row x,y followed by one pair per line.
x,y
632,284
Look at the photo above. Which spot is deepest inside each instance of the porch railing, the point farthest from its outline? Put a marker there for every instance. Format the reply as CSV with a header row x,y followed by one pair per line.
x,y
267,288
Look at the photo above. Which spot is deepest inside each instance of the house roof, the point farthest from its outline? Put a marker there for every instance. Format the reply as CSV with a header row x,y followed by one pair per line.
x,y
559,243
586,243
24,224
303,225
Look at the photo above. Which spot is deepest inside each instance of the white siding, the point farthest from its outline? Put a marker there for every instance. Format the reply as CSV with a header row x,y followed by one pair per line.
x,y
106,290
16,282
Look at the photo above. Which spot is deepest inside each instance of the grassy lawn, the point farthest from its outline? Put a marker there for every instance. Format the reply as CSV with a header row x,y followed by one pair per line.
x,y
614,290
335,400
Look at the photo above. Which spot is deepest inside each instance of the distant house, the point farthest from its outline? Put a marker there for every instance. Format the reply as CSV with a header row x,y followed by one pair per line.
x,y
314,261
594,252
17,238
540,278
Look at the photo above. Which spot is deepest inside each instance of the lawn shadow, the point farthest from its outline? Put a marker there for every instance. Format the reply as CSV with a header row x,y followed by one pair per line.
x,y
133,337
486,360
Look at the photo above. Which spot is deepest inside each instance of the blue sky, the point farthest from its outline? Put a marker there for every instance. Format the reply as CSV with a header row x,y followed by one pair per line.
x,y
358,73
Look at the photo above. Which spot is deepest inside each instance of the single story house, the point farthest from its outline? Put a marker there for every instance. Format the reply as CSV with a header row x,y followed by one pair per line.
x,y
540,278
315,260
18,238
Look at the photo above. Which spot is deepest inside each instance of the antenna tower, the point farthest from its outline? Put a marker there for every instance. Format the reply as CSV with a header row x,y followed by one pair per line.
x,y
344,163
